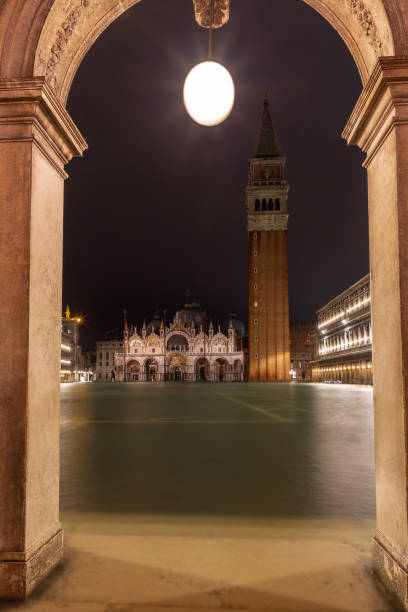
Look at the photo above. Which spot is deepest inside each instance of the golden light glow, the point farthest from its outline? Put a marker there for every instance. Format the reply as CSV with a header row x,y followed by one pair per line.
x,y
209,93
360,304
66,361
65,347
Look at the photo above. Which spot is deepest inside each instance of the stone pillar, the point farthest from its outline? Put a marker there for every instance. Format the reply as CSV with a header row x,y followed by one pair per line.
x,y
379,126
37,138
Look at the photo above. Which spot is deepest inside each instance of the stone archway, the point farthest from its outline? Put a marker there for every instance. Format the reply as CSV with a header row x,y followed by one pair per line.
x,y
133,371
151,370
42,43
176,367
221,370
202,370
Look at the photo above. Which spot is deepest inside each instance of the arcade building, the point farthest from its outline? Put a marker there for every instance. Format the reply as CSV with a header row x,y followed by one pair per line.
x,y
343,342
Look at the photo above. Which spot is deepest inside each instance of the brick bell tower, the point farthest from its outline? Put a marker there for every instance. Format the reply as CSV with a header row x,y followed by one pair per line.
x,y
267,217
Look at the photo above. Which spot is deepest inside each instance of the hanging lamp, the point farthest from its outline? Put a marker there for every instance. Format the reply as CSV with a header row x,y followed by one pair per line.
x,y
209,91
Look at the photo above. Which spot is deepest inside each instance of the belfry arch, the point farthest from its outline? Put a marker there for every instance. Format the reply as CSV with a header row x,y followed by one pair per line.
x,y
42,43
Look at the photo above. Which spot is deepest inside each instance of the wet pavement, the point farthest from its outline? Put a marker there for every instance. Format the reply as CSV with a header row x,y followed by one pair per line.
x,y
215,497
218,449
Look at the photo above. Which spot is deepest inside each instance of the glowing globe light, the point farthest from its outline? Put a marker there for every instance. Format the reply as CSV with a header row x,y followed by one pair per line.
x,y
209,93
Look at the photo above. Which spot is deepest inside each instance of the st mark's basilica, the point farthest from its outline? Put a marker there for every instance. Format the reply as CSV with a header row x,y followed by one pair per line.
x,y
187,349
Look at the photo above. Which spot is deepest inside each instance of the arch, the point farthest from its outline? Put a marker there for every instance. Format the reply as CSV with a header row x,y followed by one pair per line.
x,y
133,370
202,369
176,367
257,204
42,38
56,41
264,204
221,369
151,370
277,204
177,342
270,204
42,43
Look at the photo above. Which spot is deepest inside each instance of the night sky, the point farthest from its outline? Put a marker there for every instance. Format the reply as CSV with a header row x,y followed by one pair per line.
x,y
157,204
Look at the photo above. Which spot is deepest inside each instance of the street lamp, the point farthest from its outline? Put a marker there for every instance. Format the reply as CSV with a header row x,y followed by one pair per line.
x,y
209,91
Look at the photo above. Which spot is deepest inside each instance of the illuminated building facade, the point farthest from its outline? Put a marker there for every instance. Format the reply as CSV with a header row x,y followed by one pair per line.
x,y
342,343
74,366
185,350
267,217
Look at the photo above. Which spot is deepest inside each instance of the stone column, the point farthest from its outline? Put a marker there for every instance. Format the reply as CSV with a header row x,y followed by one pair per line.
x,y
37,138
379,126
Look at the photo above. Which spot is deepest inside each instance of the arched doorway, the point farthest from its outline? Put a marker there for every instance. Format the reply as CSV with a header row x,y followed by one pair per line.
x,y
202,370
221,370
176,366
133,371
151,370
42,46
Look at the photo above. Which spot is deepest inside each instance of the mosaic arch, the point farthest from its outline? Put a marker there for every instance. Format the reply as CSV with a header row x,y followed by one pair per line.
x,y
42,43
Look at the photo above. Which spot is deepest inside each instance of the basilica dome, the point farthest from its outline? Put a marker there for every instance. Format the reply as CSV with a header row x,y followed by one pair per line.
x,y
192,311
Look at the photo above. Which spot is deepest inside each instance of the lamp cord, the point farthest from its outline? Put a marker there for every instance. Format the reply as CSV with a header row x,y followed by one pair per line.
x,y
210,30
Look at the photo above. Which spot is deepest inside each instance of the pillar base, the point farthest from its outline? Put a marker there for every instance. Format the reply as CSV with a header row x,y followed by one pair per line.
x,y
390,571
19,578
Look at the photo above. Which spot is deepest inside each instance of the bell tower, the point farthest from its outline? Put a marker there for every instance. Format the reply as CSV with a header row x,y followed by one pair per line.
x,y
267,216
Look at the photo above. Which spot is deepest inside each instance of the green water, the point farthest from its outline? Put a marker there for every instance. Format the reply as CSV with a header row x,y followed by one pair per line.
x,y
217,449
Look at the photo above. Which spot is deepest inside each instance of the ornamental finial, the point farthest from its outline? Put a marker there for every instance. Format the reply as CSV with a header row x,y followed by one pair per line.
x,y
212,13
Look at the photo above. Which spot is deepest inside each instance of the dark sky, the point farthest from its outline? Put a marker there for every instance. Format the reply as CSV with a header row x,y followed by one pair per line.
x,y
157,204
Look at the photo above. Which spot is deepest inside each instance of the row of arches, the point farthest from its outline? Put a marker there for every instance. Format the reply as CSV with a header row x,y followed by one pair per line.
x,y
267,204
177,370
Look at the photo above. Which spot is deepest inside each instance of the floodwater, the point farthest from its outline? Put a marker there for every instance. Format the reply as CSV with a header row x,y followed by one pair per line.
x,y
209,497
254,450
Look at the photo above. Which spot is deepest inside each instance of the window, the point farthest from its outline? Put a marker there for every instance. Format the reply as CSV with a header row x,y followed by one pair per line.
x,y
256,338
256,321
153,350
255,286
255,270
256,355
107,363
264,205
100,355
277,204
100,375
270,204
107,355
201,350
255,235
255,253
100,363
255,304
257,205
106,376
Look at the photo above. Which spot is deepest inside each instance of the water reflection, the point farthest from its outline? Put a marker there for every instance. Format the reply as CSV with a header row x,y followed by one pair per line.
x,y
230,449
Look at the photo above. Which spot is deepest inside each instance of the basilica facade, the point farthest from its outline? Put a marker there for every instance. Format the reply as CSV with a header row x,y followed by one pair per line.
x,y
187,349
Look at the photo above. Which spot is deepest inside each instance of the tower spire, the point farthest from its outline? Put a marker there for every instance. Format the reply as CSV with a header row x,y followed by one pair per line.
x,y
267,144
